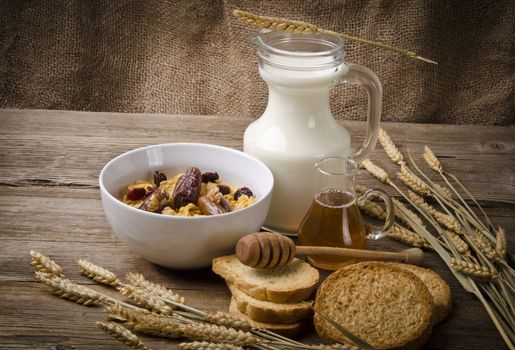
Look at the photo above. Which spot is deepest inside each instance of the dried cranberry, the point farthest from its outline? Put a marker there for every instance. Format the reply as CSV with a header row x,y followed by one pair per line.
x,y
159,177
209,177
224,189
241,191
136,194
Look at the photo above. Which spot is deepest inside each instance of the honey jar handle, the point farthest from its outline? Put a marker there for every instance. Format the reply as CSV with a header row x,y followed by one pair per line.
x,y
374,231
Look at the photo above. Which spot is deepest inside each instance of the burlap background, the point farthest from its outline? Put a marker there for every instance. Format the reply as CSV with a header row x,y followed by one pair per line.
x,y
194,57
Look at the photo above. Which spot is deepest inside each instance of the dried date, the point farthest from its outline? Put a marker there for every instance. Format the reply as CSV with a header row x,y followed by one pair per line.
x,y
188,188
208,207
153,202
225,204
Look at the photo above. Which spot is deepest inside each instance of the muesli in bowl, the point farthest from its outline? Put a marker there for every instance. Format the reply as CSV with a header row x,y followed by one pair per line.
x,y
191,193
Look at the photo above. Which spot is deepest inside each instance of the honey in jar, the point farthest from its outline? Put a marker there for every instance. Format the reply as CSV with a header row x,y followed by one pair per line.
x,y
334,219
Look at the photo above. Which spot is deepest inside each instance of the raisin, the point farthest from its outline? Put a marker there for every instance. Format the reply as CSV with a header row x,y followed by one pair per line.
x,y
224,189
136,194
241,191
209,177
159,177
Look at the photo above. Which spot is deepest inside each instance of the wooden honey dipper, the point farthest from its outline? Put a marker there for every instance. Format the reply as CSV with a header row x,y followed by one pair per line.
x,y
269,249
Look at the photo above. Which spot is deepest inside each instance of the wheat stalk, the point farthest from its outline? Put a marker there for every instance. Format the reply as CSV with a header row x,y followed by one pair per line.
x,y
218,334
444,219
122,334
156,326
228,320
461,246
144,321
389,147
98,273
156,322
122,313
145,299
413,181
442,191
431,160
472,269
405,214
275,23
66,289
44,264
374,170
204,345
404,235
470,256
373,209
500,238
485,246
336,347
138,280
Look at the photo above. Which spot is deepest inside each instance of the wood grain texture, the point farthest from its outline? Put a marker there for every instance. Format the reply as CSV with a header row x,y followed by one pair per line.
x,y
50,202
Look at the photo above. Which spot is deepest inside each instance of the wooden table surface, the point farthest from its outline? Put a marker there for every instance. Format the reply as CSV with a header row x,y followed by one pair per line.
x,y
50,202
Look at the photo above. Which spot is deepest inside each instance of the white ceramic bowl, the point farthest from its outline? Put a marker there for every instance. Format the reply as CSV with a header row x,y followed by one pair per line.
x,y
184,242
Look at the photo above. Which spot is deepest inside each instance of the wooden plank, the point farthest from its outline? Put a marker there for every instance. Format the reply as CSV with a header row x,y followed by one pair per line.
x,y
70,148
49,166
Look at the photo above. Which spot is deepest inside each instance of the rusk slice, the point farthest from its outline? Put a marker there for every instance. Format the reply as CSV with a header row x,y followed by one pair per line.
x,y
387,307
439,289
290,283
267,311
290,330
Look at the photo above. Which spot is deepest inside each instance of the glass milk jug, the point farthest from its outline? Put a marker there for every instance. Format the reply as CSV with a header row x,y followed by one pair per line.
x,y
297,129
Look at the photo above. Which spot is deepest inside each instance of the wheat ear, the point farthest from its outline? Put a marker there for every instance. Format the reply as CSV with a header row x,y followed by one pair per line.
x,y
471,269
404,214
404,235
218,334
432,160
413,181
44,264
336,347
66,289
98,273
122,334
373,209
138,280
486,247
389,147
204,345
442,191
274,23
221,318
145,299
444,219
374,170
501,245
121,313
143,321
461,246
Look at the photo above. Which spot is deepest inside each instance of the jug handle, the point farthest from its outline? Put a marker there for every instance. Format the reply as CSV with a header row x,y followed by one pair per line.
x,y
361,75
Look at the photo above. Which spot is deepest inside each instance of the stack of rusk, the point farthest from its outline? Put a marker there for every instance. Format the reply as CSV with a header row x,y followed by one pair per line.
x,y
278,299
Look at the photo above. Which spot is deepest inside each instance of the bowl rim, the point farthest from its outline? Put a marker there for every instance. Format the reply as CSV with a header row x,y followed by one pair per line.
x,y
177,217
